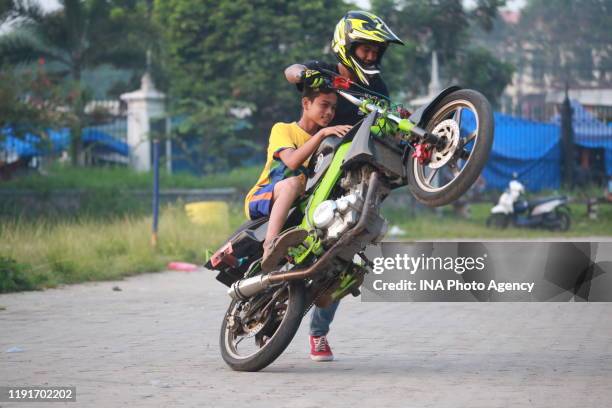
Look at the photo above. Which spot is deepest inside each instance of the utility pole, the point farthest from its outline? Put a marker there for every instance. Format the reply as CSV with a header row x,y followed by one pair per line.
x,y
567,141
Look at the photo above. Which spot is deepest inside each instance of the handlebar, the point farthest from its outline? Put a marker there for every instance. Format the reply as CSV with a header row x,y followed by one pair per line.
x,y
403,124
341,84
370,107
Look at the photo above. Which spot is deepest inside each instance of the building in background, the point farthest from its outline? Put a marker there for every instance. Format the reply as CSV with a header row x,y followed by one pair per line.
x,y
537,90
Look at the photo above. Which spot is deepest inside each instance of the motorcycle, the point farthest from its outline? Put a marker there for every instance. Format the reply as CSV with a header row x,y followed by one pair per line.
x,y
327,230
551,213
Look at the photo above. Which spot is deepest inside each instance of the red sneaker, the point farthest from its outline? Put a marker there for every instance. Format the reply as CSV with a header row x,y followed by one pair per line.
x,y
319,349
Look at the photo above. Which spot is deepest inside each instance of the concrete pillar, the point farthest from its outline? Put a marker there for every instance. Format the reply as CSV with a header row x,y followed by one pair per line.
x,y
142,105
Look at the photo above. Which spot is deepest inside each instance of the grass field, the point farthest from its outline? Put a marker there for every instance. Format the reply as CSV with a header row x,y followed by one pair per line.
x,y
57,177
46,254
39,255
67,193
446,225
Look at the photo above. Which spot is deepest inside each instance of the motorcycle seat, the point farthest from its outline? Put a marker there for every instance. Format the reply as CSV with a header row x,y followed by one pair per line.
x,y
257,228
252,225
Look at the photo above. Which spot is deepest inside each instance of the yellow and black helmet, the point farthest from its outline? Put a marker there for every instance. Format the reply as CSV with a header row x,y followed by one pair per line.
x,y
358,27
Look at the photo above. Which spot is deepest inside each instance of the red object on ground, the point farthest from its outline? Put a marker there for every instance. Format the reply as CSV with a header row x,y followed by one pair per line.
x,y
182,266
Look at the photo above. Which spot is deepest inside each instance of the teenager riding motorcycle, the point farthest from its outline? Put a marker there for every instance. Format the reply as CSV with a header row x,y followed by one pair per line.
x,y
338,215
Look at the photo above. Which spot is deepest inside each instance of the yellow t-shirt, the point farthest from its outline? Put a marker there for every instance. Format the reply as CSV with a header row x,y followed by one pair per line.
x,y
282,136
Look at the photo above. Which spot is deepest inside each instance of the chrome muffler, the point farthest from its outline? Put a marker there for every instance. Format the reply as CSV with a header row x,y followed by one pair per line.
x,y
245,288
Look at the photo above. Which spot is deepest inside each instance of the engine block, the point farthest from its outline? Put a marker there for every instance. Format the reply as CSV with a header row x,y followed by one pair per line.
x,y
333,217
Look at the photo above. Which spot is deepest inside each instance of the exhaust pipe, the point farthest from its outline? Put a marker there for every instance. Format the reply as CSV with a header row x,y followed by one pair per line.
x,y
346,238
245,288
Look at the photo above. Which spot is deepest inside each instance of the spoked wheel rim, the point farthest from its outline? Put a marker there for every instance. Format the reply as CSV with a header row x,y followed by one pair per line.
x,y
455,157
243,339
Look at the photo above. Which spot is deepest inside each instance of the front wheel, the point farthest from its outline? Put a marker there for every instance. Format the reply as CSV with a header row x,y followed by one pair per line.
x,y
255,332
463,120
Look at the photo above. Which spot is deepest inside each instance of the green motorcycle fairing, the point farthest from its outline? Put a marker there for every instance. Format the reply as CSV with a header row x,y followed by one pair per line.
x,y
325,186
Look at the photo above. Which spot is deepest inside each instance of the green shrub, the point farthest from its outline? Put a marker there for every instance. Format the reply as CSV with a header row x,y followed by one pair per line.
x,y
13,276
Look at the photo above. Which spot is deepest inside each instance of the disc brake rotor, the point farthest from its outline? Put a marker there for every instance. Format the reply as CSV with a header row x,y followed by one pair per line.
x,y
252,330
448,130
245,329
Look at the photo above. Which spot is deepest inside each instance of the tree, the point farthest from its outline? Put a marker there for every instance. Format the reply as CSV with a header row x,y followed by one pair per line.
x,y
479,69
81,34
5,7
444,26
234,51
29,102
209,154
574,47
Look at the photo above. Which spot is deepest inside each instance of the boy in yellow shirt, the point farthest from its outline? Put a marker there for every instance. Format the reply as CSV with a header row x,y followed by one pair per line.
x,y
283,178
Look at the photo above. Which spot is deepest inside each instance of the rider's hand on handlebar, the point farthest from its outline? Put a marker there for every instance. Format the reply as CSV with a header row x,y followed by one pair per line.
x,y
314,79
340,131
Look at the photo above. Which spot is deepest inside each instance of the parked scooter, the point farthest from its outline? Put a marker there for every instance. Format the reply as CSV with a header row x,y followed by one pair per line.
x,y
550,213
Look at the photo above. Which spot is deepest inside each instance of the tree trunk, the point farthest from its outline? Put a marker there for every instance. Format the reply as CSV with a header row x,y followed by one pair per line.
x,y
76,132
76,146
567,143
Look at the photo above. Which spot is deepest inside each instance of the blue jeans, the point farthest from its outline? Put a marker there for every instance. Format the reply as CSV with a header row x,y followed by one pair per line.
x,y
321,319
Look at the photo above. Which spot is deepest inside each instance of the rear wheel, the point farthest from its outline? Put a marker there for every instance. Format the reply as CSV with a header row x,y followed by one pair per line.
x,y
255,332
464,121
564,220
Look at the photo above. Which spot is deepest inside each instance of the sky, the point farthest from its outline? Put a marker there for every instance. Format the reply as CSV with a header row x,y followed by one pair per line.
x,y
49,4
512,4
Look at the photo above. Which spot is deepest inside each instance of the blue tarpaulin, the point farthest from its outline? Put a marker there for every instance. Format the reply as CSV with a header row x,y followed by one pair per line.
x,y
58,140
529,149
105,142
532,149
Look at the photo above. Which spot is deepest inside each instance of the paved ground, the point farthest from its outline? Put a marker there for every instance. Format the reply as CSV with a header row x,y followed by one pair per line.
x,y
155,344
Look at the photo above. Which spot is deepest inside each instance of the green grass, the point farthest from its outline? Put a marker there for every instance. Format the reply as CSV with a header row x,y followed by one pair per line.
x,y
47,254
112,238
103,192
446,225
35,255
58,177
